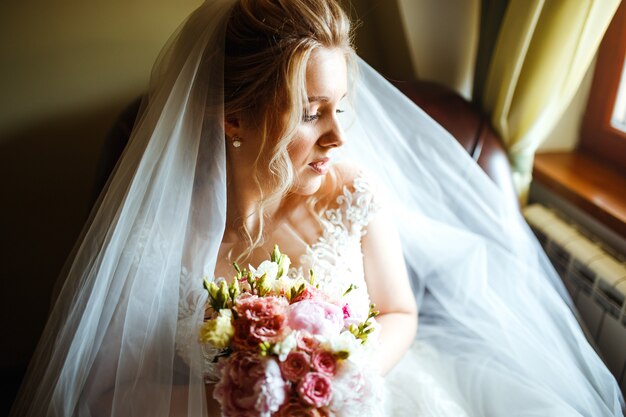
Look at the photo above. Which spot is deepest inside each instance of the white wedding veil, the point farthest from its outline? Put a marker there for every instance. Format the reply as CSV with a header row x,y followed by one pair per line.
x,y
490,303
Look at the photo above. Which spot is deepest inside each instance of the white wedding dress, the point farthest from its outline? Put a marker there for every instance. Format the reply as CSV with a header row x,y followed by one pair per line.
x,y
337,260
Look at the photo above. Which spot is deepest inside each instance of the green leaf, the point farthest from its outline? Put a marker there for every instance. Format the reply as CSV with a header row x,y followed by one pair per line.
x,y
350,288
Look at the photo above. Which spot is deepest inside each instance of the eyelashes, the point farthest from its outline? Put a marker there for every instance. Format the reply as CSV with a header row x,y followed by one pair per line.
x,y
308,118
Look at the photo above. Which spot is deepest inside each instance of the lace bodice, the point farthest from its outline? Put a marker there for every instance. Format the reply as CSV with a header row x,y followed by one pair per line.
x,y
336,258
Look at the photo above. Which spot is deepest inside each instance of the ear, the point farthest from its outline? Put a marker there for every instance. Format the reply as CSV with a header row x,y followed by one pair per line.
x,y
232,126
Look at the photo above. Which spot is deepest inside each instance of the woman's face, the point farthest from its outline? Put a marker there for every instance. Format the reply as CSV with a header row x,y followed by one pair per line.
x,y
319,132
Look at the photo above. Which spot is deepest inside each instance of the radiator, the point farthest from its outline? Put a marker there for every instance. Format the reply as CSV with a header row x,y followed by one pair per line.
x,y
595,279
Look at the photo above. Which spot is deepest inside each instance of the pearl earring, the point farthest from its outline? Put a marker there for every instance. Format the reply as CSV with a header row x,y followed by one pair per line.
x,y
236,141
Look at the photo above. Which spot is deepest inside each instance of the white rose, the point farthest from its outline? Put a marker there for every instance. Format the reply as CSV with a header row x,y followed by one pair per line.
x,y
272,390
219,331
357,392
267,268
346,342
283,348
283,284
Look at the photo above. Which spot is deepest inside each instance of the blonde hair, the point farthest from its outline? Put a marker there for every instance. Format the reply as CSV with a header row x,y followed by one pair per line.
x,y
267,47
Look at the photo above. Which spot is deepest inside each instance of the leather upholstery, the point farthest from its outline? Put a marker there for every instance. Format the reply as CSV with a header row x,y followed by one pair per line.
x,y
467,124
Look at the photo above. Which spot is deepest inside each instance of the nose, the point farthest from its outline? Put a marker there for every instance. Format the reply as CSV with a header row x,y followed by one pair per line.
x,y
333,137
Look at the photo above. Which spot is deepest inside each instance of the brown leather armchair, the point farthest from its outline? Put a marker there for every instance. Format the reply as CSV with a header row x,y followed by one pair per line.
x,y
466,122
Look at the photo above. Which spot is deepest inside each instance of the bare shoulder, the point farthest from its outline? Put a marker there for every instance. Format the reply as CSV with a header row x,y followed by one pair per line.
x,y
345,174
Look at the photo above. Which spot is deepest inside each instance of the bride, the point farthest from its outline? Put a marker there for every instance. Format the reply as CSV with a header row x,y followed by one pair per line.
x,y
262,127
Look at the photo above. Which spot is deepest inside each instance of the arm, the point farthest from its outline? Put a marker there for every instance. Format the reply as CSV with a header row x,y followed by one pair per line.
x,y
389,288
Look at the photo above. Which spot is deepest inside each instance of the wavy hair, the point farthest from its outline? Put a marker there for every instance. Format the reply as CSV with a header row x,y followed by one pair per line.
x,y
268,44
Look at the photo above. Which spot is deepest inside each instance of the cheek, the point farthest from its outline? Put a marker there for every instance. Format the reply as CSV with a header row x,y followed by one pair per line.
x,y
300,149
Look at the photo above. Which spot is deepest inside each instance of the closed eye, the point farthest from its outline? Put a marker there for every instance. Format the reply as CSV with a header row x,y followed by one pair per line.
x,y
310,117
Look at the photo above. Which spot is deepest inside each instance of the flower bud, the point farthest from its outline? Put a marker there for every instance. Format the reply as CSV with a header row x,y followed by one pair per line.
x,y
275,256
238,269
222,295
213,290
263,286
234,289
283,265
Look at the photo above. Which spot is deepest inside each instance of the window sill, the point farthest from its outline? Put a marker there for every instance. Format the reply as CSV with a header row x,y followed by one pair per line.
x,y
586,182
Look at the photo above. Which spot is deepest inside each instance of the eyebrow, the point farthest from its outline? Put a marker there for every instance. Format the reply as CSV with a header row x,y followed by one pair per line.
x,y
318,98
323,99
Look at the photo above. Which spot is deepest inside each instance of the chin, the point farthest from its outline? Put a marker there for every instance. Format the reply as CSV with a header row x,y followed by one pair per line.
x,y
307,186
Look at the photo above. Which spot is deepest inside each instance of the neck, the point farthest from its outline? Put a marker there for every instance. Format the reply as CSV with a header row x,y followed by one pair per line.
x,y
243,204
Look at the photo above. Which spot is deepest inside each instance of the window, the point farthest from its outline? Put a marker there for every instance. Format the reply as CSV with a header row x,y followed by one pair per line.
x,y
593,177
618,120
604,124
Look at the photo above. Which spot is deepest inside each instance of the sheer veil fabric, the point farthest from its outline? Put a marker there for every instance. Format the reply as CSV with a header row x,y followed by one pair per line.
x,y
491,306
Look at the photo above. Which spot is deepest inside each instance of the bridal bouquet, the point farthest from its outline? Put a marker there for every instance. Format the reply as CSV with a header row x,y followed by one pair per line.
x,y
287,347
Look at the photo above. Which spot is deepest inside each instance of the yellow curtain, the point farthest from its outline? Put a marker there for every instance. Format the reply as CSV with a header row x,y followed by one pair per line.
x,y
543,50
442,37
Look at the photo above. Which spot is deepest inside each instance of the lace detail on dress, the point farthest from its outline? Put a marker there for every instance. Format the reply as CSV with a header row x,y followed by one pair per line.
x,y
358,207
336,257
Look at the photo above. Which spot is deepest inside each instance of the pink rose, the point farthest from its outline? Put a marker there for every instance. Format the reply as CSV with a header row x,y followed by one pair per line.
x,y
306,343
294,408
315,389
323,361
250,385
242,367
295,366
234,395
316,317
259,319
235,400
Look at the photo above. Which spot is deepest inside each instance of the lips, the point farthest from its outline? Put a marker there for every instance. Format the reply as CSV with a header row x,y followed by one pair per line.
x,y
320,166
